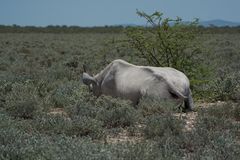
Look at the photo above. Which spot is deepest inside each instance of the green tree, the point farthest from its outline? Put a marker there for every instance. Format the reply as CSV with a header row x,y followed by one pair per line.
x,y
168,42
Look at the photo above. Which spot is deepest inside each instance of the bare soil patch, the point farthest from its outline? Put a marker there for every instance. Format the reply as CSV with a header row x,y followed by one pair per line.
x,y
58,111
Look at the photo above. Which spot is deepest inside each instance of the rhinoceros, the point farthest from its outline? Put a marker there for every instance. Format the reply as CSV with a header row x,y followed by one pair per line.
x,y
132,82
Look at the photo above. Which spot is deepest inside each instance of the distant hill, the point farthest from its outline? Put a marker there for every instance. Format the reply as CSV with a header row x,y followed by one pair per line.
x,y
216,22
219,23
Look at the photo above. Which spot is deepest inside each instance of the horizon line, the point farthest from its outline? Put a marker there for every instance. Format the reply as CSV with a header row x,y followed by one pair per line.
x,y
112,25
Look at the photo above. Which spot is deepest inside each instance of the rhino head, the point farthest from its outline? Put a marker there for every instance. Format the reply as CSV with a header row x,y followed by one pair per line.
x,y
92,83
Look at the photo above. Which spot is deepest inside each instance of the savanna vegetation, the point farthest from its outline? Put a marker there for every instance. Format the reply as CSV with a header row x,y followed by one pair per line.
x,y
47,113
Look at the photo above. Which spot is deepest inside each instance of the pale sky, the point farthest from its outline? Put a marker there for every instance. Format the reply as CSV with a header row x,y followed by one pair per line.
x,y
111,12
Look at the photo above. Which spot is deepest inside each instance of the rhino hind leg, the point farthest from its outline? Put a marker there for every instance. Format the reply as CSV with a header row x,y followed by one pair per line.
x,y
188,102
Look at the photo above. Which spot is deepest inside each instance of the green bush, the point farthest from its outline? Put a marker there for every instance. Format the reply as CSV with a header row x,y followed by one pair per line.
x,y
84,103
213,138
206,144
52,124
56,147
66,94
86,126
23,100
5,88
82,108
211,123
226,86
60,72
168,43
149,150
237,112
77,126
225,111
118,117
17,144
116,112
161,125
149,106
215,134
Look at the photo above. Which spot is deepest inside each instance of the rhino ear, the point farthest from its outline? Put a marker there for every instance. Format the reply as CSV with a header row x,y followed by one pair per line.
x,y
87,79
